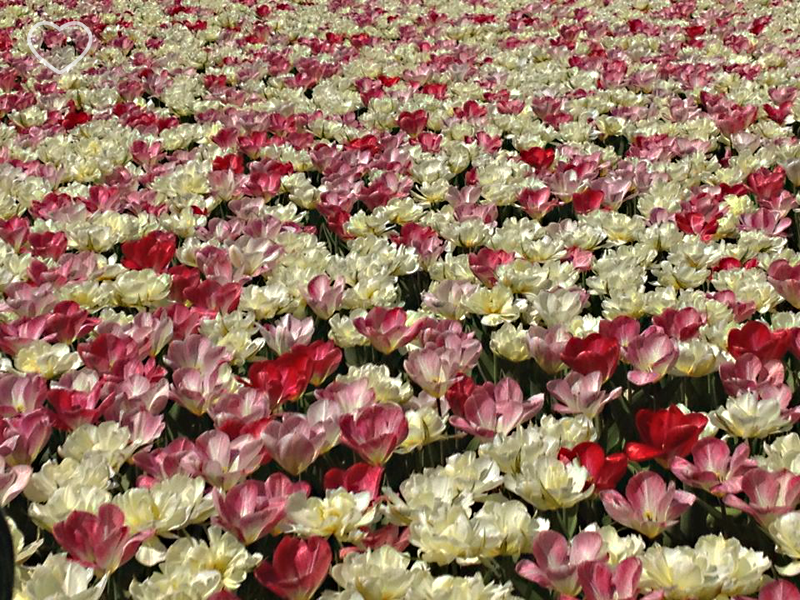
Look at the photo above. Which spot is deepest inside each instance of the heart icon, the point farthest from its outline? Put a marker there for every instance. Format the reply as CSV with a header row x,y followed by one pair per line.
x,y
60,29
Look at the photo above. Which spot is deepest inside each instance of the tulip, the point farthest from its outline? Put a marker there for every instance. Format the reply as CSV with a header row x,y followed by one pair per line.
x,y
649,505
592,353
323,297
494,408
386,328
413,123
556,561
665,434
297,569
213,295
680,324
225,461
287,332
581,394
13,480
285,378
100,541
546,347
713,468
770,494
786,281
757,338
484,264
23,437
604,471
651,354
779,589
253,509
359,477
295,443
434,370
153,251
599,582
375,431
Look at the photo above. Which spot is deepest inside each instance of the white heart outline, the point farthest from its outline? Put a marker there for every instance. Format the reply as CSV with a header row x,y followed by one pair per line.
x,y
60,29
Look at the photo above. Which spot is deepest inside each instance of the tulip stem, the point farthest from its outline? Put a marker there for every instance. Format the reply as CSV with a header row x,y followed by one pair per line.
x,y
710,508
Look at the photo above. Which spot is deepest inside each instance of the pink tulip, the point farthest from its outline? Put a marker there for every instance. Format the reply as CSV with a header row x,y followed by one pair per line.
x,y
556,561
581,394
13,480
100,541
388,535
324,358
750,373
375,431
770,494
546,347
22,438
21,393
600,582
681,324
287,332
623,329
386,328
348,396
432,370
253,509
649,505
713,468
323,297
786,281
651,354
779,589
226,462
196,352
295,443
297,569
492,409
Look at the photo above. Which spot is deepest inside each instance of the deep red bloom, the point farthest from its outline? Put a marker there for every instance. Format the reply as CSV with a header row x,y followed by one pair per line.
x,y
539,158
284,378
604,471
592,353
664,434
297,569
757,338
359,477
153,251
413,123
588,201
325,357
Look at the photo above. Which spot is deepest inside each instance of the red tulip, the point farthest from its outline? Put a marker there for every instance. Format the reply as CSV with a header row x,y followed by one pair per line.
x,y
588,201
484,264
285,378
539,158
592,353
604,471
153,251
325,357
375,431
665,434
100,541
359,477
757,338
413,123
297,569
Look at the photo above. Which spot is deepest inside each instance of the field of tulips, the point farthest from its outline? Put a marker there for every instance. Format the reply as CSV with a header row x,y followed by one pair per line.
x,y
401,300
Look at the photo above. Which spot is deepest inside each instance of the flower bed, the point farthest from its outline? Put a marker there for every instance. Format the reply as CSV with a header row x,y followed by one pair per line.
x,y
401,300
